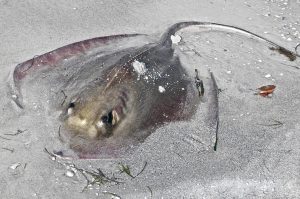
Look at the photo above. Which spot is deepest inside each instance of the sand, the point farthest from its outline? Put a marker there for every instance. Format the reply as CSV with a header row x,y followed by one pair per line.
x,y
259,142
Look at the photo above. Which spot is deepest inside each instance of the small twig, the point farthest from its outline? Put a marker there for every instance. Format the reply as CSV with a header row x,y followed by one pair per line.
x,y
11,150
216,93
112,194
216,143
221,90
65,97
126,169
4,138
178,154
97,177
94,177
145,164
296,48
151,192
17,133
82,171
278,123
199,84
100,173
88,182
59,135
52,155
291,55
275,124
197,53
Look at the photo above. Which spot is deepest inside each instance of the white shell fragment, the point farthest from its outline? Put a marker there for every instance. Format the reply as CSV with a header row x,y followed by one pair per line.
x,y
139,67
15,165
161,89
175,39
69,174
267,76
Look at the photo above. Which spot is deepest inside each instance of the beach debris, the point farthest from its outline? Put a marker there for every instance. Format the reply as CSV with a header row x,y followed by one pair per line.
x,y
161,89
266,90
15,165
296,49
126,169
52,155
290,55
175,39
199,84
4,138
92,176
65,97
216,95
70,174
267,75
113,195
8,149
150,190
95,177
17,133
139,67
274,124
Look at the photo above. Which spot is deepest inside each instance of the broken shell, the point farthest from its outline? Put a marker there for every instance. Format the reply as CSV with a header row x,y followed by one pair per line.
x,y
266,90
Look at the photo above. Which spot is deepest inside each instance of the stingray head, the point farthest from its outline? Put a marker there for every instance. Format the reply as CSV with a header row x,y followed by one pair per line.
x,y
98,114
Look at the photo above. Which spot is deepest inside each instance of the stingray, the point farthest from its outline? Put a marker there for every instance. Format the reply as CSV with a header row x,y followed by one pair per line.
x,y
112,92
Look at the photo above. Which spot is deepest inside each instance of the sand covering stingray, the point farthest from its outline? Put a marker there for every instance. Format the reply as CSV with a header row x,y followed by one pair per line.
x,y
110,93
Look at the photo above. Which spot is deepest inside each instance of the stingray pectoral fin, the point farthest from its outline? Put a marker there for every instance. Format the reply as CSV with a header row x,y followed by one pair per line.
x,y
54,57
70,64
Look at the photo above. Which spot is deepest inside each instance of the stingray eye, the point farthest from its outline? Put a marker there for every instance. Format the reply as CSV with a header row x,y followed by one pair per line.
x,y
107,119
71,105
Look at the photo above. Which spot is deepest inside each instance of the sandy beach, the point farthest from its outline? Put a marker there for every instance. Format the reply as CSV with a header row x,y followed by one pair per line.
x,y
258,153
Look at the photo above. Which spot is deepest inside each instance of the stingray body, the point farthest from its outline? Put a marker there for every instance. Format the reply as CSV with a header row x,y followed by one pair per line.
x,y
112,100
114,91
124,105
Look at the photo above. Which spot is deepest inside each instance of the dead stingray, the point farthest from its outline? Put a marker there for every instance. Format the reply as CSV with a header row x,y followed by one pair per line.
x,y
114,91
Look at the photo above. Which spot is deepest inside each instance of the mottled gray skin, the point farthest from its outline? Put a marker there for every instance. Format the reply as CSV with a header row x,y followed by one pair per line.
x,y
134,99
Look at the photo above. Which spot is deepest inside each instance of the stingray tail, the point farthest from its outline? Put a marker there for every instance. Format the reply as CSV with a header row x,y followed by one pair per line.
x,y
167,42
